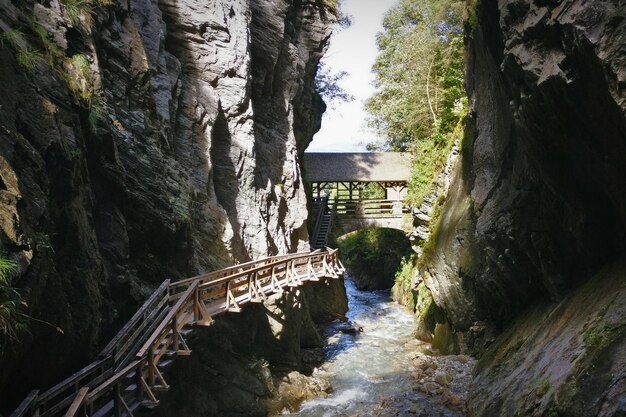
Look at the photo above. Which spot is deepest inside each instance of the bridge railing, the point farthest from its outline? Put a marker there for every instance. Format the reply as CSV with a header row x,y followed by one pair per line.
x,y
127,371
370,208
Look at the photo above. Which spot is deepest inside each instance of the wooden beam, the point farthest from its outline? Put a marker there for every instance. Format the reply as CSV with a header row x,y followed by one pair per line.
x,y
26,404
78,402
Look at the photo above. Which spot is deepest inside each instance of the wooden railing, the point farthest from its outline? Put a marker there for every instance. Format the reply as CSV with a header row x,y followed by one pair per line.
x,y
128,373
369,208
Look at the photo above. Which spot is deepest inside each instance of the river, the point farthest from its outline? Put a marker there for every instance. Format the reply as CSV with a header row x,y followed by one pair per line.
x,y
374,373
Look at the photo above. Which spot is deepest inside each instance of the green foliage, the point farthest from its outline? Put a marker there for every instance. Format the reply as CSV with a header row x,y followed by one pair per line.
x,y
7,268
12,319
81,63
373,191
402,291
29,58
53,53
327,85
97,111
78,77
598,337
13,37
77,8
472,14
420,104
541,386
373,255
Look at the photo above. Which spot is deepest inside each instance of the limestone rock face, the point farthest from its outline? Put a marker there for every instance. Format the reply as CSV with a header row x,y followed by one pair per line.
x,y
538,203
175,151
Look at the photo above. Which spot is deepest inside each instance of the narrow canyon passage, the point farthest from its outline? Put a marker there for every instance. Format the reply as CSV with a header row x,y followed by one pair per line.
x,y
382,371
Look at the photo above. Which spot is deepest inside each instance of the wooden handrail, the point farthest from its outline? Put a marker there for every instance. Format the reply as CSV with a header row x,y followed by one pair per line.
x,y
259,268
166,321
123,333
220,272
73,380
102,388
26,404
234,287
77,403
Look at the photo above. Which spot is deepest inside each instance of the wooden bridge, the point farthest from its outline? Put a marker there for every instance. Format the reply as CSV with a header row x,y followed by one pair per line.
x,y
359,189
350,215
128,373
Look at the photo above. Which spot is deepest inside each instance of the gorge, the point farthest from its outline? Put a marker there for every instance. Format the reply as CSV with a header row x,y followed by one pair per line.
x,y
145,140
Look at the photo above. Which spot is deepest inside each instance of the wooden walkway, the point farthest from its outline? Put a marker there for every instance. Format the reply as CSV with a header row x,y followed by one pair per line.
x,y
128,373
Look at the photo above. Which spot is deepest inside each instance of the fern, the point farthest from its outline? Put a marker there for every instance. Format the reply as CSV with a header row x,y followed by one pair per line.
x,y
7,269
29,58
13,37
97,111
80,62
11,319
77,8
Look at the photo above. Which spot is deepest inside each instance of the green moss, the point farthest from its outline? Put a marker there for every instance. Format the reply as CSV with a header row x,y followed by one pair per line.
x,y
427,313
429,160
373,256
541,386
598,337
443,339
471,20
402,291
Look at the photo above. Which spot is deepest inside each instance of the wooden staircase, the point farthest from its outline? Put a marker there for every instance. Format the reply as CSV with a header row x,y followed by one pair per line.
x,y
128,373
323,215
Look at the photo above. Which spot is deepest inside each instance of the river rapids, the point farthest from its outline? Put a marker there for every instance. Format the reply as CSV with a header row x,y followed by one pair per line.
x,y
384,371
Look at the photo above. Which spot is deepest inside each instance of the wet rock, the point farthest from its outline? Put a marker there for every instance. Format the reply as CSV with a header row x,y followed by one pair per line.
x,y
294,388
442,378
350,327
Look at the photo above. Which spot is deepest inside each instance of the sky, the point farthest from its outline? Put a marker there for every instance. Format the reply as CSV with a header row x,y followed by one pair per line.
x,y
344,125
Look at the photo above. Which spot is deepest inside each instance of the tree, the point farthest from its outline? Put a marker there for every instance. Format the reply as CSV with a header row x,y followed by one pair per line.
x,y
327,85
420,99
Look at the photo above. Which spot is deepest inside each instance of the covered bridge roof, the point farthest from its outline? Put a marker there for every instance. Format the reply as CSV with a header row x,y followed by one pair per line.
x,y
362,167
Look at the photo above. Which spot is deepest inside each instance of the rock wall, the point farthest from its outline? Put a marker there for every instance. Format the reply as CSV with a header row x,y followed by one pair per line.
x,y
537,203
537,208
148,140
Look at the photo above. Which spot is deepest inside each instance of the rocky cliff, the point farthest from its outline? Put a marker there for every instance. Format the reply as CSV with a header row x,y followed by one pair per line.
x,y
144,140
537,208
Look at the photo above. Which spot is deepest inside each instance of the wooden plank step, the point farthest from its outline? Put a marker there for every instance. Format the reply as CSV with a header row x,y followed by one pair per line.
x,y
105,411
165,363
149,404
160,388
130,388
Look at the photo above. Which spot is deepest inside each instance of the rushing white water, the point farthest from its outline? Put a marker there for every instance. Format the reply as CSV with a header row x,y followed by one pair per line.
x,y
369,366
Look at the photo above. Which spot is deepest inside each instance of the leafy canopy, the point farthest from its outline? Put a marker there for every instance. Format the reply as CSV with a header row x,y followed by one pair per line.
x,y
420,99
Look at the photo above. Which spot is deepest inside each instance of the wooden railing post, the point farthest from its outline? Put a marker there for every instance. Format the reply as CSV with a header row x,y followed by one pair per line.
x,y
196,305
175,333
151,365
117,401
224,291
